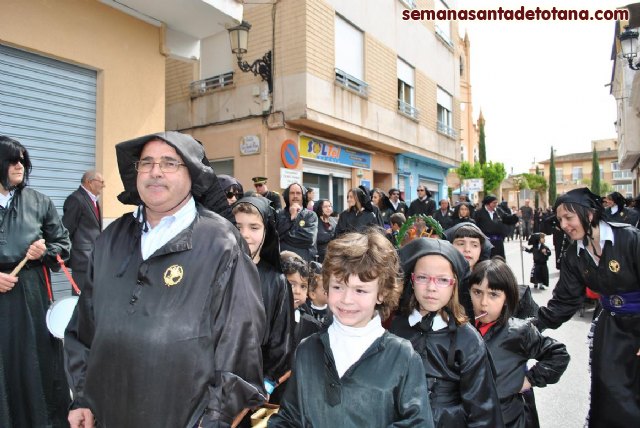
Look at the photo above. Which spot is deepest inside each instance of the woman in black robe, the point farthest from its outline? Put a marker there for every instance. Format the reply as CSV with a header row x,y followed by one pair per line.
x,y
605,257
360,215
33,388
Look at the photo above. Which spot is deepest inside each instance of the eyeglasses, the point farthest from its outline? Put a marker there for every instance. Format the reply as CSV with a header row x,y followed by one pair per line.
x,y
439,281
420,190
17,161
259,184
165,165
231,195
395,194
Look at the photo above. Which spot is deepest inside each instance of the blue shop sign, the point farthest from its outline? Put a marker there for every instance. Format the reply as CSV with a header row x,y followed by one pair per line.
x,y
313,148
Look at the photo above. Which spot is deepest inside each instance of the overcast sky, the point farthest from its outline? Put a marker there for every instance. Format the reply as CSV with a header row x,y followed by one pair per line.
x,y
541,83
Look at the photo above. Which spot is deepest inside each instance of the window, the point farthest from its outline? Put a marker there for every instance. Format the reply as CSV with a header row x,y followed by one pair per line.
x,y
576,173
349,48
409,4
615,166
406,92
443,27
559,176
601,171
445,113
625,189
222,166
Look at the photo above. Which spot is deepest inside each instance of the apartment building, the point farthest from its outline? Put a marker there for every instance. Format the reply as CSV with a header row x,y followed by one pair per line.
x,y
357,96
625,88
79,76
572,169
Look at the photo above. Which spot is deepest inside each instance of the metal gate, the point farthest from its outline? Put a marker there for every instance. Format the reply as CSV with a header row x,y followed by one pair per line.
x,y
50,107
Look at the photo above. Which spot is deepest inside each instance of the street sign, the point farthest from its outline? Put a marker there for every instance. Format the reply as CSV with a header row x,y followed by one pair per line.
x,y
289,154
473,184
289,176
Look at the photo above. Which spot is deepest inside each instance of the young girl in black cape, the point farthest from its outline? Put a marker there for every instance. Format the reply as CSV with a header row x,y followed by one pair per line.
x,y
460,377
512,341
604,256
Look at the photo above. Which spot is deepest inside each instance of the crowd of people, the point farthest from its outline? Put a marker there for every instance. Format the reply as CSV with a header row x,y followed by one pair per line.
x,y
208,301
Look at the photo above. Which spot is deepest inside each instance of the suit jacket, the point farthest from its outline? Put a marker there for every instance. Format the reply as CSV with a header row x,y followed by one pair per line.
x,y
487,225
84,227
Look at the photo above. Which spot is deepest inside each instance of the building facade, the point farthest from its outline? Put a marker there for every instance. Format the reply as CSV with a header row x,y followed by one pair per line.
x,y
360,96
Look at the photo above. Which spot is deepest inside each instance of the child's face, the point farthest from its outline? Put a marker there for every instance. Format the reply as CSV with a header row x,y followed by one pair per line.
x,y
470,249
463,211
299,289
487,301
542,239
354,303
252,230
319,296
395,227
430,297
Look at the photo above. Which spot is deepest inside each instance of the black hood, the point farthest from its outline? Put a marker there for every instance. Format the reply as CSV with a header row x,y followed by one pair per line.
x,y
227,181
270,251
205,187
285,195
486,247
414,250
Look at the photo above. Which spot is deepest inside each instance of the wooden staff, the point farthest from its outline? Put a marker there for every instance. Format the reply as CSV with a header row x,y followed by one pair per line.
x,y
15,271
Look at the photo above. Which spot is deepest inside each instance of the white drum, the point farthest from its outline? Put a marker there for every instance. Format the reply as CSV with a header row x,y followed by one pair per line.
x,y
59,315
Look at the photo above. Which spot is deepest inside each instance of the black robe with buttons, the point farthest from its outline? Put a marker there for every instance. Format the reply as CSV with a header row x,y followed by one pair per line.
x,y
615,367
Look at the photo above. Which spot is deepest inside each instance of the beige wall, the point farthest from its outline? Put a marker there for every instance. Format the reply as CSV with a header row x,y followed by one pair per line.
x,y
123,50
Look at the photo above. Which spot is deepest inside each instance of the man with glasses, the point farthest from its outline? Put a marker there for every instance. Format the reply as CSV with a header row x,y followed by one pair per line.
x,y
423,204
398,205
260,183
83,218
167,332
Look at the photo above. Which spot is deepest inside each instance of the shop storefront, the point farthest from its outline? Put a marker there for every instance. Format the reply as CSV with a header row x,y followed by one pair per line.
x,y
332,169
414,170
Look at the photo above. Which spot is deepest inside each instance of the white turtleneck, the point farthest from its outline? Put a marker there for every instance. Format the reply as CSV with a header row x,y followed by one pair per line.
x,y
349,343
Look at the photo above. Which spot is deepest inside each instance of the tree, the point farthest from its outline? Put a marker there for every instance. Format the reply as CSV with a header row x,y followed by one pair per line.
x,y
595,168
537,183
492,173
482,148
552,179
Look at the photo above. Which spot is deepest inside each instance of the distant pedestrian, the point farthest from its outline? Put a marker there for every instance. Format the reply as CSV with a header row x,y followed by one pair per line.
x,y
526,214
231,187
83,219
423,204
359,215
260,184
444,216
326,226
297,226
397,203
541,253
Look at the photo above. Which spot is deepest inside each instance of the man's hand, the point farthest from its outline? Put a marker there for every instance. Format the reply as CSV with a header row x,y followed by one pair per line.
x,y
7,282
36,250
294,209
81,418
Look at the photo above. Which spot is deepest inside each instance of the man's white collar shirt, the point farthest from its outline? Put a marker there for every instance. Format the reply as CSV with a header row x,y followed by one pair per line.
x,y
167,229
93,197
5,200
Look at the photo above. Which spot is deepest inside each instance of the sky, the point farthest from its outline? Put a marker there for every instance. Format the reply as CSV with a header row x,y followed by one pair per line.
x,y
541,83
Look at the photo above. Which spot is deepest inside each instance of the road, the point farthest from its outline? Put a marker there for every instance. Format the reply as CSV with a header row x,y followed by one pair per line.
x,y
565,404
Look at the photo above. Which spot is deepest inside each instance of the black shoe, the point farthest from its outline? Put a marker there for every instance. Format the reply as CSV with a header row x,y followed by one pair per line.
x,y
535,285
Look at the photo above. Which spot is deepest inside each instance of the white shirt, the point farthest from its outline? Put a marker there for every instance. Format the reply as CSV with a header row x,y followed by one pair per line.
x,y
93,197
606,234
614,209
349,343
416,317
166,229
5,201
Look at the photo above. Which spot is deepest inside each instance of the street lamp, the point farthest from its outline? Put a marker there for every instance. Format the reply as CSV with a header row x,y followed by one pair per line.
x,y
629,46
239,37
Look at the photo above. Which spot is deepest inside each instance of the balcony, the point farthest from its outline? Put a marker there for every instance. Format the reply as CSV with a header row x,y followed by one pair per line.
x,y
351,83
623,174
408,110
211,84
446,129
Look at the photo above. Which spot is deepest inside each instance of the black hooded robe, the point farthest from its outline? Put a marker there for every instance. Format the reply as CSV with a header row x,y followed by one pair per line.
x,y
33,388
615,367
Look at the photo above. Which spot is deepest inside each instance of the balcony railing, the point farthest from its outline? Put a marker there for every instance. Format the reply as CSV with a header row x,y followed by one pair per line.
x,y
408,109
623,174
352,83
446,129
203,87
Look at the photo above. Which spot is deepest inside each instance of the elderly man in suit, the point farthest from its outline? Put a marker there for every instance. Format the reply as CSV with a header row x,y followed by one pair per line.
x,y
83,218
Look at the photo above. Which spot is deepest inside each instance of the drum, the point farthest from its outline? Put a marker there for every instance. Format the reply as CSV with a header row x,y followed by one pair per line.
x,y
59,315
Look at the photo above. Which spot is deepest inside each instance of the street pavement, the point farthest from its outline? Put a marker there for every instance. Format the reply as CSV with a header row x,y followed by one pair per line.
x,y
564,404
